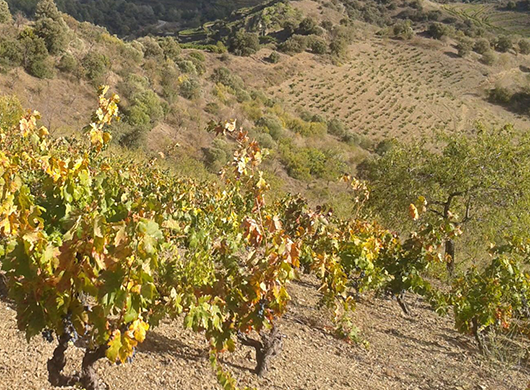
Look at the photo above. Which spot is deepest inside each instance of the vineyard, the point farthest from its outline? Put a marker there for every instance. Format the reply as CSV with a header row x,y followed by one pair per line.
x,y
391,89
98,251
490,17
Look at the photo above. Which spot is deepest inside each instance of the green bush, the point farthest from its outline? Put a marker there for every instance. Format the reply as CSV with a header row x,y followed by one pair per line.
x,y
504,44
439,30
482,46
273,126
243,43
488,58
10,111
68,63
403,30
190,89
500,95
295,44
317,44
95,65
464,46
170,48
524,46
274,57
10,52
336,128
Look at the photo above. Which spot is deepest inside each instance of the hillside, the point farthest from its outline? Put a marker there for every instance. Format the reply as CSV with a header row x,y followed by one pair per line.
x,y
419,352
173,213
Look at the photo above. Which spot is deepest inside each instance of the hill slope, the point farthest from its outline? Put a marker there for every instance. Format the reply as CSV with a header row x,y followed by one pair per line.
x,y
419,352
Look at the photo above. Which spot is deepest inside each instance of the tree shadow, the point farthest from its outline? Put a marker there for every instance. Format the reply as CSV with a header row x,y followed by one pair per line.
x,y
428,346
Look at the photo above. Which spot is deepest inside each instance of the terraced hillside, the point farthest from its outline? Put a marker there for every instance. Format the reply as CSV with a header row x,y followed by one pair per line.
x,y
490,16
398,89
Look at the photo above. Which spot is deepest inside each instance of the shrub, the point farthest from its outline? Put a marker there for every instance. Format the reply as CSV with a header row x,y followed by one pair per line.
x,y
170,48
187,66
274,57
438,30
336,128
464,46
524,46
224,76
295,44
338,46
197,55
190,89
243,43
50,26
488,58
403,30
10,111
95,65
317,45
482,46
500,95
68,63
11,52
504,44
308,26
273,126
5,15
151,47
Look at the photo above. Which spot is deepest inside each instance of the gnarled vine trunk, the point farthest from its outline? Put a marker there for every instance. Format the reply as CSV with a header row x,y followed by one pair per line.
x,y
88,376
270,345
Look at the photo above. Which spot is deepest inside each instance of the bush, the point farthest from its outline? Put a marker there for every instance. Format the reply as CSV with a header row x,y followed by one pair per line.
x,y
482,46
338,46
10,111
336,128
224,76
243,43
274,57
488,58
524,46
295,44
308,26
317,45
197,55
273,126
10,52
95,65
67,63
170,48
504,44
438,30
500,95
190,89
403,30
187,66
5,15
151,47
464,46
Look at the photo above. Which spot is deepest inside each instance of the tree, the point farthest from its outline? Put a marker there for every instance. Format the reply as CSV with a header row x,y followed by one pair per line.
x,y
5,15
484,176
50,26
243,43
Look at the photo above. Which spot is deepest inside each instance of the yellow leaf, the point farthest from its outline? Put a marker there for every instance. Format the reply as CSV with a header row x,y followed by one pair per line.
x,y
413,212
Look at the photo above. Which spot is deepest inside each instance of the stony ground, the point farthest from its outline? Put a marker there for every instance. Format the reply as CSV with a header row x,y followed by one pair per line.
x,y
395,352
